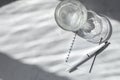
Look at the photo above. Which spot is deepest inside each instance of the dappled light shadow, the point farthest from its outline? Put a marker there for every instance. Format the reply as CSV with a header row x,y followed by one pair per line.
x,y
110,8
11,69
4,2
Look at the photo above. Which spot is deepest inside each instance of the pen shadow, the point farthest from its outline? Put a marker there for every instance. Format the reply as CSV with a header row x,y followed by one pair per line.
x,y
11,69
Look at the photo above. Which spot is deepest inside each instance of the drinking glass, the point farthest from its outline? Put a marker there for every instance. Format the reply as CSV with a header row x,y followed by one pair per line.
x,y
72,15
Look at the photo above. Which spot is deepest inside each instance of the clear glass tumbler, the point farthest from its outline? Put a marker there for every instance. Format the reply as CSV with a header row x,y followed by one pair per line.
x,y
72,15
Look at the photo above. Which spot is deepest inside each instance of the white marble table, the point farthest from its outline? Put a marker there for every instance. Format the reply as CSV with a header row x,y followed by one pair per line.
x,y
33,47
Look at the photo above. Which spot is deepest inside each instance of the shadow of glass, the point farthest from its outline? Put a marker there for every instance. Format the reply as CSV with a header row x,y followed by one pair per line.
x,y
11,69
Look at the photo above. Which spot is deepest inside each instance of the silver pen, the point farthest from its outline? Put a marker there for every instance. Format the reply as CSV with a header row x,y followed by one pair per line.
x,y
89,56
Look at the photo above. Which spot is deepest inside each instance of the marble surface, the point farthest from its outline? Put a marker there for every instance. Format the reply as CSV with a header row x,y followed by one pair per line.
x,y
33,47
